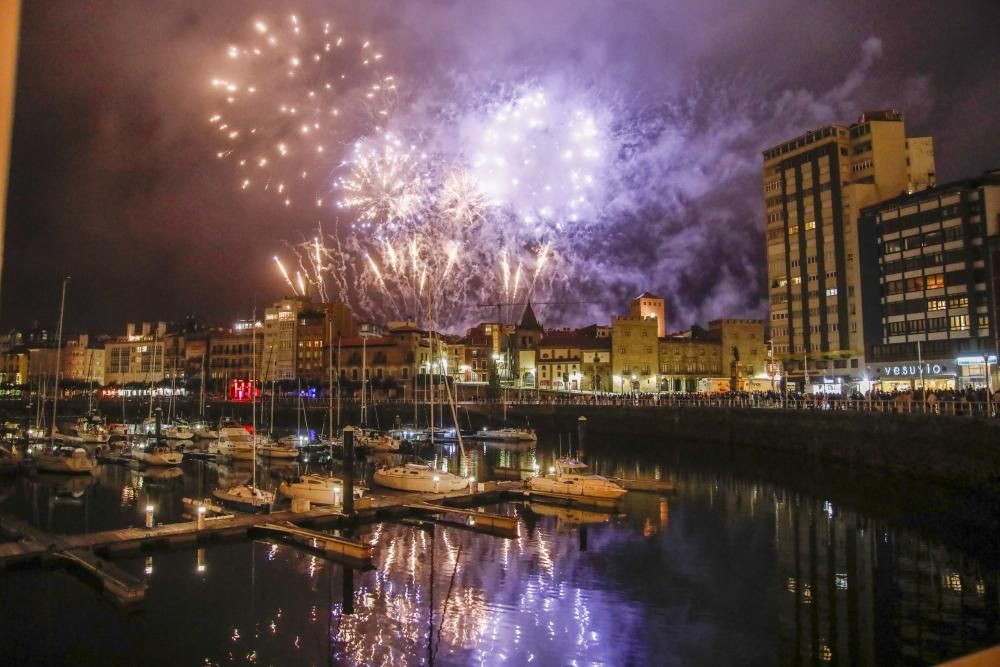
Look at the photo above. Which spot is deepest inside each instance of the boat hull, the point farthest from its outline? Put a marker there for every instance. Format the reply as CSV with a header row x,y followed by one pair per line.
x,y
65,465
244,502
322,492
574,487
401,480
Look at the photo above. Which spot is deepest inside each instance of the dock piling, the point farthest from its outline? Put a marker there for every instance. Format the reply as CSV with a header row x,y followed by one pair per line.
x,y
349,470
581,435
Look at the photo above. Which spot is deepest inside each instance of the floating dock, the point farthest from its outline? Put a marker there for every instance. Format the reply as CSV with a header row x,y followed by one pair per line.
x,y
87,553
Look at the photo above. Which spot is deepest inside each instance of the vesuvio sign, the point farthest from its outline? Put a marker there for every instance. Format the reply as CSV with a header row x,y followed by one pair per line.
x,y
910,370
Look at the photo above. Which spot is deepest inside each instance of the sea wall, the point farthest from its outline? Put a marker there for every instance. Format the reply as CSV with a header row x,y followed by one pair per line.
x,y
956,450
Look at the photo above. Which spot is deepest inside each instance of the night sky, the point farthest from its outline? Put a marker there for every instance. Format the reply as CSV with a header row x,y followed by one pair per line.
x,y
114,178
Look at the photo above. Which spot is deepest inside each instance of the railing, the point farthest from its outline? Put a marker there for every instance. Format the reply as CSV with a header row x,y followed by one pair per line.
x,y
903,404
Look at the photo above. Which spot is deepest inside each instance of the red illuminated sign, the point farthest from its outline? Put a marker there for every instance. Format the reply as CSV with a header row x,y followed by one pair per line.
x,y
242,391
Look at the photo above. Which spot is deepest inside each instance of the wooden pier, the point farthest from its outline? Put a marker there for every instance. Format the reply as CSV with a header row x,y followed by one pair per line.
x,y
87,553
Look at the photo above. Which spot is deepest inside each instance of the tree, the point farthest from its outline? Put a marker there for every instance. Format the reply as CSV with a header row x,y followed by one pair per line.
x,y
493,388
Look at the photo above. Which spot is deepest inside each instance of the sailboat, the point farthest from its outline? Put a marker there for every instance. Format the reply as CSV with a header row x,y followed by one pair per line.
x,y
62,458
248,497
423,477
317,489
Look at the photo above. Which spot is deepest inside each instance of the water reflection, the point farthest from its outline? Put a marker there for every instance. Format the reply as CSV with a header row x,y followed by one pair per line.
x,y
728,570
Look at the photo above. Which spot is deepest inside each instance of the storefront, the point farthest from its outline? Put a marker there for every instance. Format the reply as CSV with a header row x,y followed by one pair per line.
x,y
934,375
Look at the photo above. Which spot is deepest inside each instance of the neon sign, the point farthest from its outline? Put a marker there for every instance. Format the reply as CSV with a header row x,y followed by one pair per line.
x,y
913,370
242,391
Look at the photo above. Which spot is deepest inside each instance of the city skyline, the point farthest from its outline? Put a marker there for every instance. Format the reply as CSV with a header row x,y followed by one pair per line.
x,y
158,229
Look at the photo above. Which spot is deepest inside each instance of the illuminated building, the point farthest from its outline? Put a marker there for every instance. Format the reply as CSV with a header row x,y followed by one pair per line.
x,y
648,305
932,266
139,356
230,355
296,335
691,361
634,353
743,350
815,185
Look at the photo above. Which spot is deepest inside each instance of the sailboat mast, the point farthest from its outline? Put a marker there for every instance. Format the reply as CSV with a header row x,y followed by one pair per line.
x,y
338,385
364,378
201,392
329,385
59,333
253,394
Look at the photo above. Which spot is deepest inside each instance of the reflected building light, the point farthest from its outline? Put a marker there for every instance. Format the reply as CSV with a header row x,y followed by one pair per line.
x,y
953,581
841,580
807,594
149,566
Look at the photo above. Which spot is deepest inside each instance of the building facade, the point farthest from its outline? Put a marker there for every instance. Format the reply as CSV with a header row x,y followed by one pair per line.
x,y
139,356
690,362
634,353
649,305
814,187
743,349
933,263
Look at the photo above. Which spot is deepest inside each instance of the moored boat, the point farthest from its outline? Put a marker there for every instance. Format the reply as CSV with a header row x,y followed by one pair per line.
x,y
419,477
316,489
64,459
245,498
508,435
277,450
157,455
571,478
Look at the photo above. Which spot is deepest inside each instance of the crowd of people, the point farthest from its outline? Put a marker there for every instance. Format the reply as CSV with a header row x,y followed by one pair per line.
x,y
950,401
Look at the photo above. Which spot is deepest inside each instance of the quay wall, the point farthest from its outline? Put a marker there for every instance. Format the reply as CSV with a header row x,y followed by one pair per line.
x,y
964,451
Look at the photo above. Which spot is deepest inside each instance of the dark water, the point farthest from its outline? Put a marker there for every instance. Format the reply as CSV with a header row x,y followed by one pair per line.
x,y
734,568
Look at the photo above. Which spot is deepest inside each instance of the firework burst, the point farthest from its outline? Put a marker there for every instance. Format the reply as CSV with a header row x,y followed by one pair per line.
x,y
386,187
290,99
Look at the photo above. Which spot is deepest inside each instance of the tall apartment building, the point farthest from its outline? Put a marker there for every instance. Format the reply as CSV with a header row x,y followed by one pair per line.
x,y
815,185
296,331
931,269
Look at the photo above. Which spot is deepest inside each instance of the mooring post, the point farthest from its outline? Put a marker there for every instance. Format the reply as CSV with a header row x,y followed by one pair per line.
x,y
581,435
348,470
201,517
149,516
159,422
347,592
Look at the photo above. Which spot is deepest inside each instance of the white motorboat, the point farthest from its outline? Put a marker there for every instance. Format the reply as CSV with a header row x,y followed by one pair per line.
x,y
571,478
202,430
157,455
245,497
419,477
232,430
378,442
71,460
178,431
90,430
508,435
316,489
242,450
278,450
